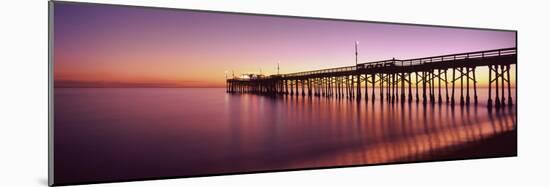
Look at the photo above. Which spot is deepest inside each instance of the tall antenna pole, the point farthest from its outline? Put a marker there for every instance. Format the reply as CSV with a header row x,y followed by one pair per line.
x,y
233,72
277,68
356,42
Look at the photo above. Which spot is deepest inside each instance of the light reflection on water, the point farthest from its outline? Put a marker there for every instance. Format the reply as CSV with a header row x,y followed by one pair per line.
x,y
129,133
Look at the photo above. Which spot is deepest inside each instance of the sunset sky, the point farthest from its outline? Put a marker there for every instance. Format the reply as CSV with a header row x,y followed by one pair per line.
x,y
130,46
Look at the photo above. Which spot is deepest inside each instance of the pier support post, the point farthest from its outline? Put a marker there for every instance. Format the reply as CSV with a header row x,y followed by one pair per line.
x,y
340,84
330,86
373,78
297,90
453,79
424,82
497,99
388,86
402,87
366,87
393,87
446,87
475,85
317,87
416,82
352,83
510,103
468,85
337,87
410,87
327,86
432,86
303,87
381,87
358,86
348,94
503,100
309,92
440,100
291,86
286,86
490,101
461,87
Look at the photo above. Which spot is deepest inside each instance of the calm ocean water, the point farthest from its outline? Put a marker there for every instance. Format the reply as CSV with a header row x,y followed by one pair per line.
x,y
104,134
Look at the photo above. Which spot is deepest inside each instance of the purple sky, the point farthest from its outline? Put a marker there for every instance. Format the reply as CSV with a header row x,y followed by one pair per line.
x,y
126,45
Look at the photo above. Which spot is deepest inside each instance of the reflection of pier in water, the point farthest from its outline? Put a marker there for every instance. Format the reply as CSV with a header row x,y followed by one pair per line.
x,y
396,80
386,133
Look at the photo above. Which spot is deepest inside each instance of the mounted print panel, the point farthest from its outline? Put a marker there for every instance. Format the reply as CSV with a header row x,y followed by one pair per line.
x,y
151,93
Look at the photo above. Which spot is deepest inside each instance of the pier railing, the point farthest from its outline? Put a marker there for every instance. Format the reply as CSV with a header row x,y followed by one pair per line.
x,y
400,63
408,62
460,56
322,71
438,59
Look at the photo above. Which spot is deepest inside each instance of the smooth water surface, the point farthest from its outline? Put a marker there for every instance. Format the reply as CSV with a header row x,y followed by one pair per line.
x,y
106,134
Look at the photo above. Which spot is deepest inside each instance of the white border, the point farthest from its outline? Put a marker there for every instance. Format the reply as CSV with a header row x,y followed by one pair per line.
x,y
24,104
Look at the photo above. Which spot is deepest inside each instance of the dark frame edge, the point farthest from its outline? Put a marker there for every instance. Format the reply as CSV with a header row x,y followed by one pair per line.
x,y
517,96
51,181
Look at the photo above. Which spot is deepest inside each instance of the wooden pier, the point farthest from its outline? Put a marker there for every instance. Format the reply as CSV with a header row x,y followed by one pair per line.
x,y
454,75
